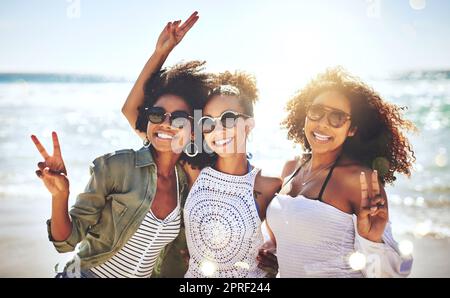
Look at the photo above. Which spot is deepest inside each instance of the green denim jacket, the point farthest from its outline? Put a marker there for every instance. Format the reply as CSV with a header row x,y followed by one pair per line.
x,y
113,205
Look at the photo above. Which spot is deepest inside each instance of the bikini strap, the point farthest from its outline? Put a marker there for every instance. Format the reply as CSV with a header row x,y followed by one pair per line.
x,y
324,185
293,175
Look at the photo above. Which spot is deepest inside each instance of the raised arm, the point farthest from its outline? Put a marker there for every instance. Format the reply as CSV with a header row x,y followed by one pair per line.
x,y
373,235
171,35
67,228
53,173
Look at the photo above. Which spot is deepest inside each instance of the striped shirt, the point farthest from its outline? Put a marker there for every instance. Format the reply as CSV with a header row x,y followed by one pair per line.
x,y
138,256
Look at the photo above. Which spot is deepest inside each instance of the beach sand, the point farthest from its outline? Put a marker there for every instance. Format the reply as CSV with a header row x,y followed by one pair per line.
x,y
26,252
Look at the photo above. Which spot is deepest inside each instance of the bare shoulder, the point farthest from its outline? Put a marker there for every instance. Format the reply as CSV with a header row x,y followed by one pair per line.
x,y
348,180
290,166
268,182
349,173
267,185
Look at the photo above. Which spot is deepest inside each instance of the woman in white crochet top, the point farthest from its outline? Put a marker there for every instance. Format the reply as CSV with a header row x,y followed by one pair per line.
x,y
228,200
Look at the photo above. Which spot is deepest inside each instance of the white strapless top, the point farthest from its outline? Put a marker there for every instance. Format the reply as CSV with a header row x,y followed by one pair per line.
x,y
315,239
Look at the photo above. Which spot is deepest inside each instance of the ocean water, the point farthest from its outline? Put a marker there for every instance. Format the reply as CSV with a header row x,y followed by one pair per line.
x,y
86,115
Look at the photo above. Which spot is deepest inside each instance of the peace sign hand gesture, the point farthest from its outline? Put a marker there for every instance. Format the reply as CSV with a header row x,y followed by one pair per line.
x,y
173,33
52,170
373,214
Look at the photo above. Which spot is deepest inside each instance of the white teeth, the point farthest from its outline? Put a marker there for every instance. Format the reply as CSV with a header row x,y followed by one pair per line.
x,y
162,135
223,142
321,137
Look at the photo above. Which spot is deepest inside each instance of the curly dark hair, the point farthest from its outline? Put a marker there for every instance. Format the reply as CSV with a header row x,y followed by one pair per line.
x,y
240,84
186,80
379,142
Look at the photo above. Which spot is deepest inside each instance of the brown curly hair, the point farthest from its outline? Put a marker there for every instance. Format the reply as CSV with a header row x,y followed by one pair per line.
x,y
379,142
240,84
245,84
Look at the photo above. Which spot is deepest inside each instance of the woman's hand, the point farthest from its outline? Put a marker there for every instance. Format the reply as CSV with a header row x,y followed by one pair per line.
x,y
267,260
373,214
52,170
173,33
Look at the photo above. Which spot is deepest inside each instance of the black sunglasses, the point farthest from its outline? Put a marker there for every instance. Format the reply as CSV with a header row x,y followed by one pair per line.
x,y
227,120
336,118
178,119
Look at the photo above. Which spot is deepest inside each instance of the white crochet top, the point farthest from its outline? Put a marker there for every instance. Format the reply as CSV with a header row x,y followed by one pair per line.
x,y
223,228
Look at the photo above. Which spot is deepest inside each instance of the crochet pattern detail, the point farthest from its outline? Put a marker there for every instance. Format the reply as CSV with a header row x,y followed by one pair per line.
x,y
223,228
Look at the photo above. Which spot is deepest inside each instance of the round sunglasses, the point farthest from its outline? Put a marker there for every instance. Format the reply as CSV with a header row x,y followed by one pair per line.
x,y
336,118
178,119
227,120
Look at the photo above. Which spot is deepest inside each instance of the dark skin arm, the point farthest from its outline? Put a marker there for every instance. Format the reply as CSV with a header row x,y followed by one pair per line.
x,y
265,189
170,37
266,258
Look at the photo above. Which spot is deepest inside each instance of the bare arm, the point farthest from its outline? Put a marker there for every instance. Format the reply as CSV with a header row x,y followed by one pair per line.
x,y
136,96
171,35
270,233
61,225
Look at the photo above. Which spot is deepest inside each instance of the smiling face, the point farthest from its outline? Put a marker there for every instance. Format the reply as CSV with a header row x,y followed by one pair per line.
x,y
164,137
225,141
323,137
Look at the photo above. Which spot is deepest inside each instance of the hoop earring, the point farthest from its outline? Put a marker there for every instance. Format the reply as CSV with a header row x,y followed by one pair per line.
x,y
186,151
146,143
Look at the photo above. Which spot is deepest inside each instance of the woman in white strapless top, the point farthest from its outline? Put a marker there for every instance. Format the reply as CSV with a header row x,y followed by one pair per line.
x,y
316,239
349,130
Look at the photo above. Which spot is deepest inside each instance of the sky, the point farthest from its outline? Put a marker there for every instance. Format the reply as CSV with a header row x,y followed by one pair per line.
x,y
288,40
